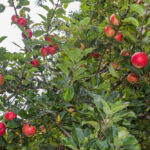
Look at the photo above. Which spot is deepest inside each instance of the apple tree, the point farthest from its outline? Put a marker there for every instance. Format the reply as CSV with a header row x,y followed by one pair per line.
x,y
81,82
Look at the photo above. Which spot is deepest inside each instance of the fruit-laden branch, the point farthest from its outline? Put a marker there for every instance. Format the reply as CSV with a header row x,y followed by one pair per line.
x,y
101,59
52,16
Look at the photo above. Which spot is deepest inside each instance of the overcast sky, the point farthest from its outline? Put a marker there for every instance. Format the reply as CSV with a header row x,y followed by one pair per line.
x,y
12,32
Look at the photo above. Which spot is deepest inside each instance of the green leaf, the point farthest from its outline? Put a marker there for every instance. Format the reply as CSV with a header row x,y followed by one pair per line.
x,y
131,20
9,77
2,8
63,68
94,124
85,21
113,71
102,145
137,8
68,94
38,33
2,38
78,135
146,1
129,36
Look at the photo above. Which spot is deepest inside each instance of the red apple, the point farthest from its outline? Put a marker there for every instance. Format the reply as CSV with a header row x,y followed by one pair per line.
x,y
119,36
95,55
139,59
114,20
44,51
139,2
35,63
109,31
115,65
133,78
48,38
1,80
29,33
82,66
125,53
10,116
51,50
2,129
28,130
22,21
55,46
14,18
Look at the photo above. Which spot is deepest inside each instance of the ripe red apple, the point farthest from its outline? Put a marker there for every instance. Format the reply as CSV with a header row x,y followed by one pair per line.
x,y
29,33
51,50
35,63
125,53
14,18
114,20
55,46
133,78
82,66
2,129
95,55
22,21
44,51
28,130
119,36
109,31
1,80
139,59
115,65
10,116
48,38
139,2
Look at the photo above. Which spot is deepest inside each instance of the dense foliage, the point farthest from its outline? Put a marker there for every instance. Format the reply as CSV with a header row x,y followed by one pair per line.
x,y
78,83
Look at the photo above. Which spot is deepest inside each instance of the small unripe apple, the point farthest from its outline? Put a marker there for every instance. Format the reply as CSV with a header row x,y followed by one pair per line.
x,y
125,53
114,20
10,116
115,65
95,55
48,38
133,78
14,18
35,62
29,33
22,21
28,130
109,31
44,51
2,129
119,36
51,50
139,59
1,80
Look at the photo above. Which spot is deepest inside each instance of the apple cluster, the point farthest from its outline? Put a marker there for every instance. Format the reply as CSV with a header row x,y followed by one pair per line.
x,y
27,129
51,49
139,59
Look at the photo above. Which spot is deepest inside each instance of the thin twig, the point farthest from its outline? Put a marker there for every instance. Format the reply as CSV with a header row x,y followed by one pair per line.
x,y
15,8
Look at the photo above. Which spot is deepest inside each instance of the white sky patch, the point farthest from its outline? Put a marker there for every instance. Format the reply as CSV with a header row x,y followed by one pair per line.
x,y
13,33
